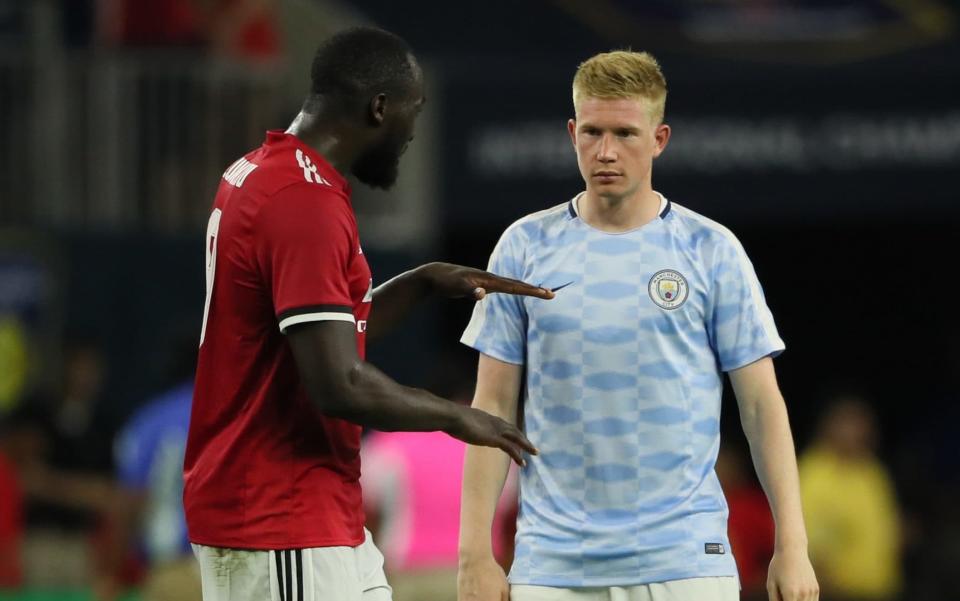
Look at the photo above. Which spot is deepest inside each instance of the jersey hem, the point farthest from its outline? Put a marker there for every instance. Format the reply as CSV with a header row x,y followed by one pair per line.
x,y
277,545
635,580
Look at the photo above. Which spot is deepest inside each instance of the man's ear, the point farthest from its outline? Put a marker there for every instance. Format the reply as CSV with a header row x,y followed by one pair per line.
x,y
378,109
662,136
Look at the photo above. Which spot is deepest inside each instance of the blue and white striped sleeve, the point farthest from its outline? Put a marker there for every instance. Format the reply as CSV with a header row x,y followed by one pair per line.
x,y
498,327
741,325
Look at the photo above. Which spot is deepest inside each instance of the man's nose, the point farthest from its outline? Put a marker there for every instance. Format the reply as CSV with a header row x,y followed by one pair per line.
x,y
606,152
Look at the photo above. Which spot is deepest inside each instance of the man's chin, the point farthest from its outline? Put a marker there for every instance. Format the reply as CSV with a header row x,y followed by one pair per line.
x,y
378,178
381,183
610,191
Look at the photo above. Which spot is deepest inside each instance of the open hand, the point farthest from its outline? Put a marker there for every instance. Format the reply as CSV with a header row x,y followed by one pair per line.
x,y
479,428
457,281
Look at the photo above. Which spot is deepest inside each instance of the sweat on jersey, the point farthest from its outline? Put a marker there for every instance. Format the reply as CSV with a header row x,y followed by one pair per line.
x,y
624,374
264,469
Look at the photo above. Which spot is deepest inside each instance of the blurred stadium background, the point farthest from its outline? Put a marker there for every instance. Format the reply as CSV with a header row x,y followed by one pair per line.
x,y
825,133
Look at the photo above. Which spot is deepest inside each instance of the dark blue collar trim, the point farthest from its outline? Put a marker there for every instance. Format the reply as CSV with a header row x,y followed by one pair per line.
x,y
666,210
573,212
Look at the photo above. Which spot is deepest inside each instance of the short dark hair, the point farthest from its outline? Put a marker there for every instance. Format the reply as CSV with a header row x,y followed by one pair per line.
x,y
361,61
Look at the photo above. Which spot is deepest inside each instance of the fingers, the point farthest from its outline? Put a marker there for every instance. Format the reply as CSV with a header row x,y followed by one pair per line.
x,y
773,592
513,450
518,437
795,592
495,283
515,444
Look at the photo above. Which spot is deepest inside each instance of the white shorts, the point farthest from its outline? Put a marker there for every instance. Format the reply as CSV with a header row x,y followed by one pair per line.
x,y
690,589
317,574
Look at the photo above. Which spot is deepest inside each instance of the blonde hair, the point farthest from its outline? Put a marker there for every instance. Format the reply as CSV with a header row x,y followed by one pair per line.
x,y
622,74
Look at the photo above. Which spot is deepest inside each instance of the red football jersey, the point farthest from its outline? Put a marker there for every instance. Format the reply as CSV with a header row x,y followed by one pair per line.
x,y
263,468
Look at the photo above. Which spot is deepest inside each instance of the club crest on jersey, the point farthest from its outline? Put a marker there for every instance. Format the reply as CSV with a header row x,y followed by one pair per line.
x,y
668,289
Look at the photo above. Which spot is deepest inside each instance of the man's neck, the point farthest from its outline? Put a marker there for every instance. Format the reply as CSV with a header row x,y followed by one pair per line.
x,y
328,141
617,215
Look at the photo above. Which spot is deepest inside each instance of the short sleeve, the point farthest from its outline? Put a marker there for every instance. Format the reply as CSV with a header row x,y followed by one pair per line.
x,y
741,325
305,240
498,326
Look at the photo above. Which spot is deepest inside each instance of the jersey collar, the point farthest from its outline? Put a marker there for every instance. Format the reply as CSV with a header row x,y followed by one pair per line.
x,y
277,137
574,211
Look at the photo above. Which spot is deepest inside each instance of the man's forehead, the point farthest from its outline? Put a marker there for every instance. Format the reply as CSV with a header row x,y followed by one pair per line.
x,y
596,104
592,108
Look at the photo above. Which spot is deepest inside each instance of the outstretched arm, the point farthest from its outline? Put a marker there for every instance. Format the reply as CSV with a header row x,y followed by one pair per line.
x,y
394,299
763,414
342,385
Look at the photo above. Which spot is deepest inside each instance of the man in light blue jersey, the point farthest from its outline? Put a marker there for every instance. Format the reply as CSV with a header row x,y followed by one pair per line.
x,y
622,376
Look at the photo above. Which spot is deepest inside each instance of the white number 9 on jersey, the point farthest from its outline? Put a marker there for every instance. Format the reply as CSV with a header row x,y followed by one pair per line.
x,y
213,226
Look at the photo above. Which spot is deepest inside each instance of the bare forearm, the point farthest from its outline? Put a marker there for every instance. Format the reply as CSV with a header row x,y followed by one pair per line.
x,y
394,299
767,428
484,473
340,384
373,399
485,470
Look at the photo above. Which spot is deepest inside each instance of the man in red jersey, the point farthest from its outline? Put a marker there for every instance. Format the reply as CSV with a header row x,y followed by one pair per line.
x,y
272,468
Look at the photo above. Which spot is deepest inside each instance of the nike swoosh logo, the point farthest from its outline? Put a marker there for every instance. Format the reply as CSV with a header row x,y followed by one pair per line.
x,y
562,286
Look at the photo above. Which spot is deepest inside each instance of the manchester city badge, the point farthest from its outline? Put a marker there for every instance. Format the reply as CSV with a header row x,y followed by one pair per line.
x,y
668,289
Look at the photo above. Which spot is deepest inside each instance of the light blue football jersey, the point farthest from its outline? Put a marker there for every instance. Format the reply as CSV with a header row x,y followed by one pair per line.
x,y
624,374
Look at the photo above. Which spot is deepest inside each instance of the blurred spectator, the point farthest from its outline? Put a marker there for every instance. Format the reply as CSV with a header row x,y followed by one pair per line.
x,y
411,490
44,557
850,508
68,488
750,526
241,29
148,510
80,426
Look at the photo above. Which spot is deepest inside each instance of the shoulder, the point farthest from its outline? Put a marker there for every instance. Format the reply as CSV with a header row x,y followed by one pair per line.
x,y
702,227
879,475
304,204
711,238
534,226
272,171
815,463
